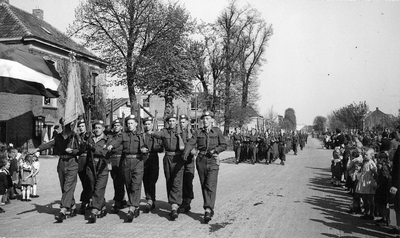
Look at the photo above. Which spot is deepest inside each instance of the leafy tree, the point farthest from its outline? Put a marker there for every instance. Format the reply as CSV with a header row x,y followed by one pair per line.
x,y
271,118
352,115
334,123
319,124
124,32
289,119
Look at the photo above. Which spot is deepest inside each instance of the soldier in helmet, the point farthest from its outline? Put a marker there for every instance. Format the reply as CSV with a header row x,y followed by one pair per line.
x,y
97,170
209,141
151,163
65,145
173,162
133,149
116,166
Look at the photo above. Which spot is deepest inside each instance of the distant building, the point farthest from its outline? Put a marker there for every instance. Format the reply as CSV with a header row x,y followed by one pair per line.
x,y
28,120
377,119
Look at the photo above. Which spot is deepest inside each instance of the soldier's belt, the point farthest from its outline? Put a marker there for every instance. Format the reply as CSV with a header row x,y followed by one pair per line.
x,y
115,156
173,153
66,157
132,156
83,155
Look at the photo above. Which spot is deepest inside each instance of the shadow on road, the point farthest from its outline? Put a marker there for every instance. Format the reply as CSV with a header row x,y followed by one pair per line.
x,y
334,204
47,208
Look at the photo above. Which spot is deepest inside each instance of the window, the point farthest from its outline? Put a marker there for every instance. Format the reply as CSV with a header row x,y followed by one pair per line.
x,y
49,102
146,102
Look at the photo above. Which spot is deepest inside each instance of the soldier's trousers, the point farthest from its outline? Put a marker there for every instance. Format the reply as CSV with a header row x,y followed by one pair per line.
x,y
67,170
98,177
238,150
133,173
150,176
281,150
188,176
173,171
295,148
253,153
207,168
85,194
118,178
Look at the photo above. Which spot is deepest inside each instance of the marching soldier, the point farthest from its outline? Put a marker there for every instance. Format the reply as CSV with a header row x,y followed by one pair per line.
x,y
133,149
97,170
173,163
116,166
303,140
237,141
65,145
295,142
188,169
82,137
210,142
253,146
151,163
281,147
268,148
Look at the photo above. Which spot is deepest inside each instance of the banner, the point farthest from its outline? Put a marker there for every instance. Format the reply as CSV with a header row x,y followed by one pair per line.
x,y
25,73
74,104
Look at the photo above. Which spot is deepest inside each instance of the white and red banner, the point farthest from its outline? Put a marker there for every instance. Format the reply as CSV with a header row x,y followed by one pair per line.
x,y
25,73
74,104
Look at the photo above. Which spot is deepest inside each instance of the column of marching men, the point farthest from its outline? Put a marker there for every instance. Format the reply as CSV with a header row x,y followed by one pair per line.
x,y
254,146
131,157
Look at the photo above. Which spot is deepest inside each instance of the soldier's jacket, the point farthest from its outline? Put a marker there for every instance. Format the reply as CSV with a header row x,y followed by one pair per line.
x,y
237,138
59,143
295,139
82,142
153,144
169,137
131,142
206,141
117,150
98,146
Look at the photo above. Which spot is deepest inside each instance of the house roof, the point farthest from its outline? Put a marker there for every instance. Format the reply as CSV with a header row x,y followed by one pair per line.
x,y
117,103
19,24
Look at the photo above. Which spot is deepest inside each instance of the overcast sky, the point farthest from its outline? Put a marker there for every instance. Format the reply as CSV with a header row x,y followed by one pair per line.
x,y
323,54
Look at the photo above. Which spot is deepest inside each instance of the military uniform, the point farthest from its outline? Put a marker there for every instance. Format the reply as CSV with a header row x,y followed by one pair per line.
x,y
151,167
97,172
82,165
132,166
116,172
281,148
188,172
210,142
237,141
67,169
295,142
173,166
253,148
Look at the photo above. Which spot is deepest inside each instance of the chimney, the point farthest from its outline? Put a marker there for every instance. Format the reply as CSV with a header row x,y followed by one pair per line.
x,y
5,1
377,108
37,13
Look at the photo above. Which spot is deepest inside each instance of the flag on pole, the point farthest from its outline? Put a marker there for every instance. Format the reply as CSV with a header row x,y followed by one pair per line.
x,y
25,73
74,104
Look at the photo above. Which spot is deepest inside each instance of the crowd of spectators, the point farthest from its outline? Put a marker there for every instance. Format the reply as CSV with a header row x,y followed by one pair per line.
x,y
18,175
368,166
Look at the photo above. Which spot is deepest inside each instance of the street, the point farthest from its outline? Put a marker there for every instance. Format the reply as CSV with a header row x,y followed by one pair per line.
x,y
295,200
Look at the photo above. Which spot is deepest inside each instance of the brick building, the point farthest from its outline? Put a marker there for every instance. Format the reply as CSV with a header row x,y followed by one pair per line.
x,y
26,120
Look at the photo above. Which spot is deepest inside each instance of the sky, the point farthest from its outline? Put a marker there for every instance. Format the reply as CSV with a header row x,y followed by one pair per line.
x,y
322,56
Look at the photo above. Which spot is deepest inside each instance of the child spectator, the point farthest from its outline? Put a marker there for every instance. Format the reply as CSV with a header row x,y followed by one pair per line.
x,y
14,172
382,192
3,177
36,167
336,166
353,168
366,185
27,180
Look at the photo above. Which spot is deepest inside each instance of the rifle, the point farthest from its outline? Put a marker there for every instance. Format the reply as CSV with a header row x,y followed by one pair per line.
x,y
189,133
181,145
139,119
155,122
